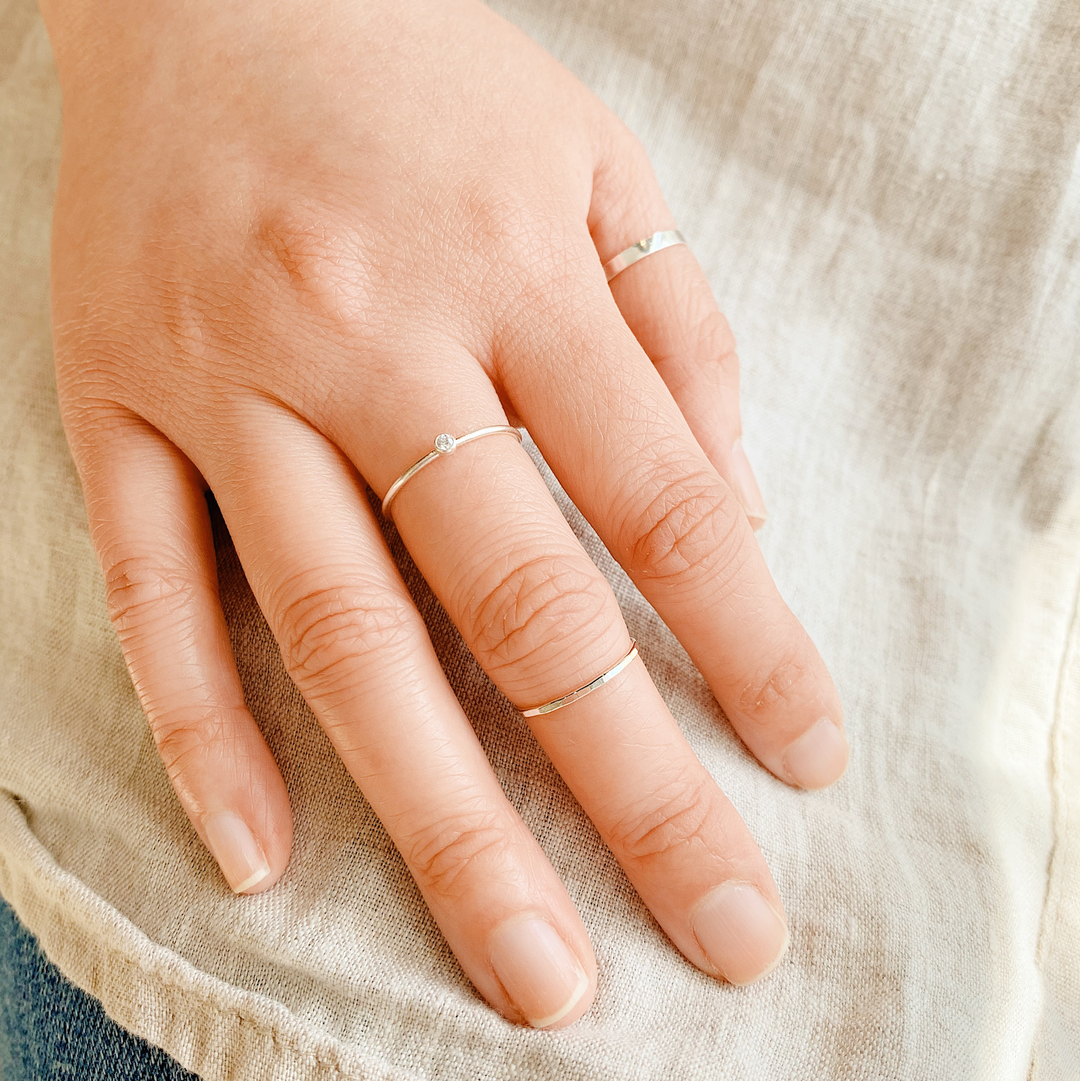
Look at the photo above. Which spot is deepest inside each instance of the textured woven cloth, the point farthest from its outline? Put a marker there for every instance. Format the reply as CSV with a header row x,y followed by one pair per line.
x,y
50,1029
886,197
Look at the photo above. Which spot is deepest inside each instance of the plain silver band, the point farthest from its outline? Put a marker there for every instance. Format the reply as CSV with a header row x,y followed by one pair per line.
x,y
573,696
495,429
665,239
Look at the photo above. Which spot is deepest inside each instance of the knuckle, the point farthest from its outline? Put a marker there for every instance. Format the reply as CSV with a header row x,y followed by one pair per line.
x,y
324,629
712,341
624,175
690,527
538,287
671,820
624,166
188,735
141,591
446,849
779,685
545,606
323,262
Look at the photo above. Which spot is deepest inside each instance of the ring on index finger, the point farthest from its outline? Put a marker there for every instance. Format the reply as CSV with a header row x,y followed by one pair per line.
x,y
666,238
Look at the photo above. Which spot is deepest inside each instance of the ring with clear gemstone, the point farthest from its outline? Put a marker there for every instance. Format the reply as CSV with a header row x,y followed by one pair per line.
x,y
445,443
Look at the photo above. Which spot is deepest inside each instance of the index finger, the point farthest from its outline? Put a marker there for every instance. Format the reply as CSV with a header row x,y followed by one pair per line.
x,y
621,448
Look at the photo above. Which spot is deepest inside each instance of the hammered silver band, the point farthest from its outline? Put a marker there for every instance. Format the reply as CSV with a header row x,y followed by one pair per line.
x,y
444,444
581,692
666,238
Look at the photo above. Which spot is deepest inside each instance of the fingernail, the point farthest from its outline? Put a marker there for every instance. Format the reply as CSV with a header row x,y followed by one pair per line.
x,y
818,756
740,932
746,486
238,854
537,969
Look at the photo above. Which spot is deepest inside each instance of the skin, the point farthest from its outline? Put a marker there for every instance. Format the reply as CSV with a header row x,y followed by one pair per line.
x,y
294,240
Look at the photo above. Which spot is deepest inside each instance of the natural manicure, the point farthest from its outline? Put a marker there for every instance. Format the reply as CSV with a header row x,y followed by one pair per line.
x,y
537,969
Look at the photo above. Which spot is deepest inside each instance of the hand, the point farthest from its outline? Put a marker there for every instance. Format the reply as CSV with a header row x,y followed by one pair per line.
x,y
294,242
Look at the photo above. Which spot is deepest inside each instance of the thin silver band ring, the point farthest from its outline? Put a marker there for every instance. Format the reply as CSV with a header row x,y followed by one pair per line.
x,y
666,238
444,444
581,692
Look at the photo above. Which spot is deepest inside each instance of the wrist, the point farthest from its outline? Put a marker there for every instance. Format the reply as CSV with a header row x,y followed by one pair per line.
x,y
102,42
83,31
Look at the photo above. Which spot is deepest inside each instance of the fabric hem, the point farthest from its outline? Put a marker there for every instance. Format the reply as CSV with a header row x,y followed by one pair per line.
x,y
1060,920
209,1026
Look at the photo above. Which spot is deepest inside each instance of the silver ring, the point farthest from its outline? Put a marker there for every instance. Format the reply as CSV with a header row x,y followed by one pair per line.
x,y
666,238
573,696
444,444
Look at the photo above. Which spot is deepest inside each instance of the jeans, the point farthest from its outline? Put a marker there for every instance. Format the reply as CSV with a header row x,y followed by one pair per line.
x,y
49,1029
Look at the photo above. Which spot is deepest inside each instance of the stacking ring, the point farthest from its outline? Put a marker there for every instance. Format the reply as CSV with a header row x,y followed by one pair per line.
x,y
581,692
444,444
667,238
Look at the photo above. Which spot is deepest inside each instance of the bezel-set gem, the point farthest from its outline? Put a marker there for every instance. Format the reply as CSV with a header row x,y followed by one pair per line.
x,y
445,443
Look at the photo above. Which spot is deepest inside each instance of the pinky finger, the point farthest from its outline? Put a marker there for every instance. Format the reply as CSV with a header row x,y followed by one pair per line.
x,y
151,529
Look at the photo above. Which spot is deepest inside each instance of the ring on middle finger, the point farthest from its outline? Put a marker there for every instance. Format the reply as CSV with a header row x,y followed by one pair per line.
x,y
581,692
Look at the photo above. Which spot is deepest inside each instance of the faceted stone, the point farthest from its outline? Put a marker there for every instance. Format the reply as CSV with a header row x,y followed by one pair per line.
x,y
445,444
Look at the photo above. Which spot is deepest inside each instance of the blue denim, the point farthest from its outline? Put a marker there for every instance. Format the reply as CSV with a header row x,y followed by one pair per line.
x,y
49,1029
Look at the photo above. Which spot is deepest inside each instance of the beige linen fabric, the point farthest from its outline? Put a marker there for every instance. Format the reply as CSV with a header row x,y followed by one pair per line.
x,y
887,199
